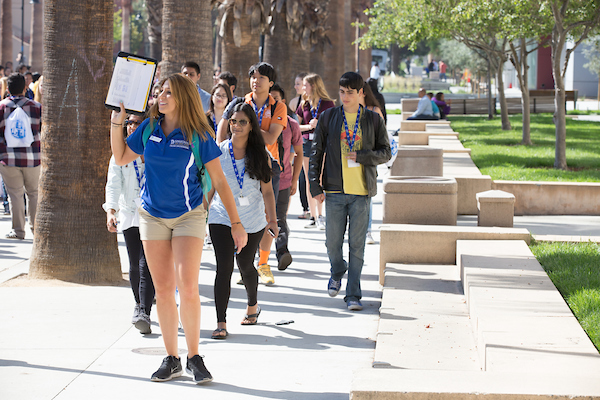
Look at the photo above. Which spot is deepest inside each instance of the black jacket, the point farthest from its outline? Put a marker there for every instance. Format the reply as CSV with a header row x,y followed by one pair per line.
x,y
326,143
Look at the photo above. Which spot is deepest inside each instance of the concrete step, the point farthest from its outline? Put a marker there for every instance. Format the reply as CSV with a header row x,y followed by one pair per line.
x,y
406,384
519,318
424,323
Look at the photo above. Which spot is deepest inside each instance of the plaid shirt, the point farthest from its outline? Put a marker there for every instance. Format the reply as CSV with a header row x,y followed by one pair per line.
x,y
21,156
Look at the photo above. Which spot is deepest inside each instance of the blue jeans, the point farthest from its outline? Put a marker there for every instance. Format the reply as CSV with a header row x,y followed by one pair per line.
x,y
342,209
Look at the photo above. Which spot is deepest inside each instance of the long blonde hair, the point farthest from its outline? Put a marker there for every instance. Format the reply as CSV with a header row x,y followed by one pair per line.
x,y
318,90
187,99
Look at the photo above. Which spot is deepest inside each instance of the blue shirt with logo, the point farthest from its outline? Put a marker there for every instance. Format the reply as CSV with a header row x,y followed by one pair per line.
x,y
172,186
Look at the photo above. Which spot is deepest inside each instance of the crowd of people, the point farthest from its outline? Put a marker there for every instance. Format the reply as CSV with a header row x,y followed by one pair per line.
x,y
206,169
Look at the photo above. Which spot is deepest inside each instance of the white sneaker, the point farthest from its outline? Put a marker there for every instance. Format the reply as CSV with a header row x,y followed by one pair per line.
x,y
321,222
369,239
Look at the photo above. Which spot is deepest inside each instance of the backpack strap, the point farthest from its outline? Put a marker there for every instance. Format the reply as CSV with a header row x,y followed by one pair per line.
x,y
148,131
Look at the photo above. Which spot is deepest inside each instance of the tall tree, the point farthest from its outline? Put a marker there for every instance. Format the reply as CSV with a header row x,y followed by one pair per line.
x,y
71,241
155,12
6,31
36,46
126,27
187,36
575,20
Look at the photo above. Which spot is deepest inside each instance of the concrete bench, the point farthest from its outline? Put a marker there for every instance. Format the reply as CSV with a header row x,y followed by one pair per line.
x,y
438,127
434,244
420,125
551,198
419,200
459,164
468,187
448,143
421,137
418,161
409,104
495,208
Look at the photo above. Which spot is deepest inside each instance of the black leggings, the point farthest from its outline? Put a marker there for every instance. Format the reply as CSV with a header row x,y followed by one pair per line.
x,y
139,274
224,252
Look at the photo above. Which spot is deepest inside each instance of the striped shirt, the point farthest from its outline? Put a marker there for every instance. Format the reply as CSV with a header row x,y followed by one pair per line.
x,y
21,156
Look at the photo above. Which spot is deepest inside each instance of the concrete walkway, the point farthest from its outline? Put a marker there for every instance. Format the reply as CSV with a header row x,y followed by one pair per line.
x,y
61,341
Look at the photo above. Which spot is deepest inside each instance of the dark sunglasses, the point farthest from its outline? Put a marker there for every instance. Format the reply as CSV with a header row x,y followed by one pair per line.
x,y
134,123
240,122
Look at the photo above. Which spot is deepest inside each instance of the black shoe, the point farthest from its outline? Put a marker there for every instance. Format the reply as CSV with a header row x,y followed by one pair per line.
x,y
195,366
169,369
284,261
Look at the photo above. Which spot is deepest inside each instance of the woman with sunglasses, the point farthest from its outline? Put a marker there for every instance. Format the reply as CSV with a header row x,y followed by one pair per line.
x,y
123,188
172,217
247,166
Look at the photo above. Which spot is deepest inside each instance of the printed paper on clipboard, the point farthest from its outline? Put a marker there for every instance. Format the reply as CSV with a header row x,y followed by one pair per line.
x,y
131,83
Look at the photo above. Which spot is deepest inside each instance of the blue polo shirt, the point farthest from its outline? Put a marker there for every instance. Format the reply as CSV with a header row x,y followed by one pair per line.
x,y
172,187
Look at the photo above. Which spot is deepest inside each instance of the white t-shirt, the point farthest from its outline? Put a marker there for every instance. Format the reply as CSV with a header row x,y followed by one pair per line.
x,y
375,72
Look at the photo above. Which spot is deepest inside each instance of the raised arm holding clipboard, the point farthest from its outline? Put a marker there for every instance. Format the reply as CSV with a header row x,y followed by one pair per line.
x,y
131,83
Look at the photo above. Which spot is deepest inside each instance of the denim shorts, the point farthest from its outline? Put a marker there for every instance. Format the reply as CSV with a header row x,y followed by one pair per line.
x,y
192,223
306,145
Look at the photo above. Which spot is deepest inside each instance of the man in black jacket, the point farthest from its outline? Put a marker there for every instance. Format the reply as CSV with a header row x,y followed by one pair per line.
x,y
353,141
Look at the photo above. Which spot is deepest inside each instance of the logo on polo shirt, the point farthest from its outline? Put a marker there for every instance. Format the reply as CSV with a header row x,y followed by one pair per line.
x,y
182,144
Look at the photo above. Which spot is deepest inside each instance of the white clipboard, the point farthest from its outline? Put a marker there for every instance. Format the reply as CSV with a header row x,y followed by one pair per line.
x,y
131,83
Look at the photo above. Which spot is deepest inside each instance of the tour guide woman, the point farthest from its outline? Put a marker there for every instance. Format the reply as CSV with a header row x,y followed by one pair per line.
x,y
172,217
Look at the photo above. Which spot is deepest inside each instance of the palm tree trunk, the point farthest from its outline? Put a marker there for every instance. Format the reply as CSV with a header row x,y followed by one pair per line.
x,y
187,36
36,46
71,241
6,31
238,60
333,55
285,54
155,12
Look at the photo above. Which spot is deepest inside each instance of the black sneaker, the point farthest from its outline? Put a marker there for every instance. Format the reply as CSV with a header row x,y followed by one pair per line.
x,y
284,260
169,369
195,366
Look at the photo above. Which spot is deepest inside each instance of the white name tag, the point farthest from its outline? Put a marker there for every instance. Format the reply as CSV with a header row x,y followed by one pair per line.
x,y
352,164
156,139
244,201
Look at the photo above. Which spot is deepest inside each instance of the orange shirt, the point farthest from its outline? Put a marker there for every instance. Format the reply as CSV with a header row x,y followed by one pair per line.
x,y
279,117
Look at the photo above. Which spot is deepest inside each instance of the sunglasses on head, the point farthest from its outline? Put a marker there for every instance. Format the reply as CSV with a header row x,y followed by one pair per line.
x,y
240,122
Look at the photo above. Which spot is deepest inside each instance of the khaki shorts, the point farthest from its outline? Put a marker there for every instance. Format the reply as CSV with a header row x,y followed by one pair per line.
x,y
192,223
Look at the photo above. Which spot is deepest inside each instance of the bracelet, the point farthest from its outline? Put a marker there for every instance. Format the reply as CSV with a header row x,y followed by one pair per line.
x,y
112,123
233,223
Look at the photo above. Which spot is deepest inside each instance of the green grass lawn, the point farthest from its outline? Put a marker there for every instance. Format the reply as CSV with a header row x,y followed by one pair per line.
x,y
574,270
499,153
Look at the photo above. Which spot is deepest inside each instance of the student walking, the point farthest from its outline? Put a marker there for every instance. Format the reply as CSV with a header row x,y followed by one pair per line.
x,y
355,141
123,186
272,119
246,165
172,217
315,101
291,140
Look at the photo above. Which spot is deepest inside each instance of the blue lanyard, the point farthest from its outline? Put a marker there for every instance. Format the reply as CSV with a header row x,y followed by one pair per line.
x,y
214,122
350,140
260,113
316,112
137,174
239,178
